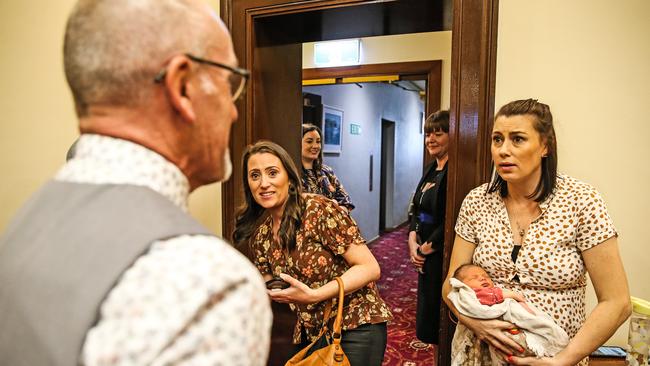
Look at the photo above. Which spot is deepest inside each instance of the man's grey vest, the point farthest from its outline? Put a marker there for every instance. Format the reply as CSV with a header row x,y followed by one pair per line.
x,y
62,254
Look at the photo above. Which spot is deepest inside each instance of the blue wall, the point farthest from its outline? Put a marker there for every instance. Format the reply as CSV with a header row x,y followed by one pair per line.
x,y
366,107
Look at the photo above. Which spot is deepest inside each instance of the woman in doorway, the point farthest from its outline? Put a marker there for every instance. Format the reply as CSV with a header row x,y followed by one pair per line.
x,y
317,177
538,232
427,229
308,240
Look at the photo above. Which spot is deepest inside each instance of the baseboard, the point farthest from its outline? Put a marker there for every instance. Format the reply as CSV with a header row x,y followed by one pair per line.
x,y
372,241
398,226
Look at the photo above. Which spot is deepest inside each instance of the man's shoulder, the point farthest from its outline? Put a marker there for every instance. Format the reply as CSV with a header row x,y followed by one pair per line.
x,y
204,255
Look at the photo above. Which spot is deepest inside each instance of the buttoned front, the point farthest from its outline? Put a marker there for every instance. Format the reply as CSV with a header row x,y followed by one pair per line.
x,y
549,270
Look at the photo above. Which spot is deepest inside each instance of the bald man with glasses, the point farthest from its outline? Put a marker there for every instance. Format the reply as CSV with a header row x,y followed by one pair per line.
x,y
103,265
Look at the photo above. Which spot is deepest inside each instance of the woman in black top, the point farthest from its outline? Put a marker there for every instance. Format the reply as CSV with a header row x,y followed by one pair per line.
x,y
427,228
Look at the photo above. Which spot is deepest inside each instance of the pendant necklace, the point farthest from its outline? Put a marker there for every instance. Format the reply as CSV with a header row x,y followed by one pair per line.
x,y
521,231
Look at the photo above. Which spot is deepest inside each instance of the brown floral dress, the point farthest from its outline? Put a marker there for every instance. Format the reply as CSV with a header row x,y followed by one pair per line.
x,y
326,233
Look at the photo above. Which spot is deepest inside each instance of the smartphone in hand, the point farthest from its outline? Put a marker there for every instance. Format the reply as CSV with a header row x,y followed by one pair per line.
x,y
277,283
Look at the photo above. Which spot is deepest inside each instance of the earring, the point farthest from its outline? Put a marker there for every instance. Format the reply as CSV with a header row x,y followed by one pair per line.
x,y
292,189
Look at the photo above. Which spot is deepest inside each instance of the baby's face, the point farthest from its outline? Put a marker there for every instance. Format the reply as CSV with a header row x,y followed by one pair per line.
x,y
476,277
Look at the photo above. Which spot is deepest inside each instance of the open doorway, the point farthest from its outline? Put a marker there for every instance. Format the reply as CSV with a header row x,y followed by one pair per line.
x,y
399,92
267,35
386,180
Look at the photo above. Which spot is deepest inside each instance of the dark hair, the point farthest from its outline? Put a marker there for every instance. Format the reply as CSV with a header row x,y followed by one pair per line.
x,y
458,273
543,124
438,121
249,214
308,127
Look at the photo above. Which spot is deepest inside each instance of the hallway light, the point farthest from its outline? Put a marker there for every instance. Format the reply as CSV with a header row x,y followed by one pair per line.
x,y
337,53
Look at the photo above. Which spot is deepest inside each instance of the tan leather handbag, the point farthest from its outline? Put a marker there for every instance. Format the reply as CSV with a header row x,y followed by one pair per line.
x,y
331,355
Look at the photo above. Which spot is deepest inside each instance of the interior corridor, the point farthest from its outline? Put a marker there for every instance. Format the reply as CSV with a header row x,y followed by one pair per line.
x,y
398,287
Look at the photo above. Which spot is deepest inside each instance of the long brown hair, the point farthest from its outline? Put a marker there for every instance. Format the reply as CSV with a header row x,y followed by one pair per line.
x,y
249,215
543,124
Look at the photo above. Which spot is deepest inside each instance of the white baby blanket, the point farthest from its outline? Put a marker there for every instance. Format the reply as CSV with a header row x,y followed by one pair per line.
x,y
543,336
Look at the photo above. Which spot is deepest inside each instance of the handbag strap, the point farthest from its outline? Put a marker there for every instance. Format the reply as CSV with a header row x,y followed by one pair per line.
x,y
336,331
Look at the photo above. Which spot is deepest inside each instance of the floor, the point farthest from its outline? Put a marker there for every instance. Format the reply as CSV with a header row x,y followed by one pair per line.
x,y
398,286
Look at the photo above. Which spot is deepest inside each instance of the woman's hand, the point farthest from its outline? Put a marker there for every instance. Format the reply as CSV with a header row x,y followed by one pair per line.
x,y
416,259
493,332
426,248
297,292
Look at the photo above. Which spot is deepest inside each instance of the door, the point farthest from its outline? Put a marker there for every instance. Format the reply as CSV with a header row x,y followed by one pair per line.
x,y
386,176
267,36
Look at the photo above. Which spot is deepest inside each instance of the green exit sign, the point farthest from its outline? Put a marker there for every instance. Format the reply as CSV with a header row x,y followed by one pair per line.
x,y
355,129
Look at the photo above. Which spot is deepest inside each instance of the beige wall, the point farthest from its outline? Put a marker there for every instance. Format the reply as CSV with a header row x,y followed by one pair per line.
x,y
588,59
402,48
38,122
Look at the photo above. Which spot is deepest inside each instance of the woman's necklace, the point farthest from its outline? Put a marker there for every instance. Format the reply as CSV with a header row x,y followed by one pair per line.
x,y
517,217
521,231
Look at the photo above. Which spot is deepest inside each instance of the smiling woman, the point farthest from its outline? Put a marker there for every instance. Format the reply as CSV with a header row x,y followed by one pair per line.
x,y
307,241
426,230
317,177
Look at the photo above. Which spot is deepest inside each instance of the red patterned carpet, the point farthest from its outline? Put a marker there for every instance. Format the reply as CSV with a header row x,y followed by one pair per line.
x,y
398,287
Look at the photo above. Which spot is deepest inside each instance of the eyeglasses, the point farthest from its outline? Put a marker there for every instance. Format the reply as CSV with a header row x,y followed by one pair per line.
x,y
237,79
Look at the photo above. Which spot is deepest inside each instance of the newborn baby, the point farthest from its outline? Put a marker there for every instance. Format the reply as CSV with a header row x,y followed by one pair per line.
x,y
478,280
474,295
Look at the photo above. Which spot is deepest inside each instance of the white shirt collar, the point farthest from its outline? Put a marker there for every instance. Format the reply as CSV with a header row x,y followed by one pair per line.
x,y
106,160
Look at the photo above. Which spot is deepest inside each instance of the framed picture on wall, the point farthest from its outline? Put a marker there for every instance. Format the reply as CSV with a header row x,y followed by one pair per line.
x,y
332,129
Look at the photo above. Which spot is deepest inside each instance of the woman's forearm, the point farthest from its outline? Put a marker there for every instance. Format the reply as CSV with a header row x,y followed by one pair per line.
x,y
608,277
446,288
603,321
413,241
354,278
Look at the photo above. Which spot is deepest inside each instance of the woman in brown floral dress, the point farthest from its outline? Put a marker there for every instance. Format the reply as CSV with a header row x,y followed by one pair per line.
x,y
538,232
308,240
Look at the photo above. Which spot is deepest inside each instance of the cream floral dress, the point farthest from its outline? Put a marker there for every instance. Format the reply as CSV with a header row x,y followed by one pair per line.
x,y
549,270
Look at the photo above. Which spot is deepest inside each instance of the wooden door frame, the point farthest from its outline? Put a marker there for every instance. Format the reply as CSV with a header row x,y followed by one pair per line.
x,y
473,69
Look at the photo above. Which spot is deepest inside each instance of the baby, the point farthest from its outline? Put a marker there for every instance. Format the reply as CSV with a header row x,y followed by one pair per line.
x,y
478,280
474,295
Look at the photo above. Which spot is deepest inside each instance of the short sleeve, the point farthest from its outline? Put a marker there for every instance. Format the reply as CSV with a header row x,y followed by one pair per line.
x,y
594,224
335,227
260,246
465,223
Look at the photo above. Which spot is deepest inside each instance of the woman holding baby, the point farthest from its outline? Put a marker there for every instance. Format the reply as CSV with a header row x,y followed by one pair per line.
x,y
538,233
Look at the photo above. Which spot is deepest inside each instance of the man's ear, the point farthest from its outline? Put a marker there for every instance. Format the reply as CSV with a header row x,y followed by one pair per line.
x,y
177,82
